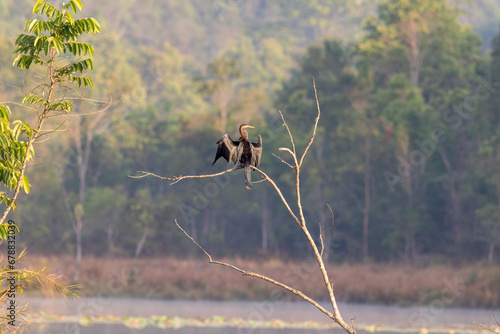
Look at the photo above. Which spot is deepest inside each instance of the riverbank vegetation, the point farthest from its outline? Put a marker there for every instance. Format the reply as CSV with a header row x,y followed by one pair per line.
x,y
171,278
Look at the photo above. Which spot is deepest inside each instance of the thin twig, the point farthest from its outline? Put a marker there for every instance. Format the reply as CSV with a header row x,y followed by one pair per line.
x,y
333,217
283,161
323,232
286,149
321,240
262,277
180,177
315,122
289,133
484,327
489,329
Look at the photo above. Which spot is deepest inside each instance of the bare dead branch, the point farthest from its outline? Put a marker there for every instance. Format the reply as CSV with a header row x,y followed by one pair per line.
x,y
487,328
315,123
176,179
289,133
256,275
322,232
286,149
484,327
283,161
321,240
333,217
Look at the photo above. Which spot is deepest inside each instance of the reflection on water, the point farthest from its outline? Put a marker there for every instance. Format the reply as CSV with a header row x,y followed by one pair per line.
x,y
381,318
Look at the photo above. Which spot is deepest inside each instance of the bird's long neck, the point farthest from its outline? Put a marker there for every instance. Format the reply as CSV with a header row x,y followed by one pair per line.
x,y
243,133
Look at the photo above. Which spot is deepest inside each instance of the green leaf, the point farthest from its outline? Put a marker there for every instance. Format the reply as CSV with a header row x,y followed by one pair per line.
x,y
4,140
23,61
97,26
73,6
69,18
82,65
36,8
34,99
33,25
42,7
4,112
16,132
4,232
85,82
77,3
26,184
28,25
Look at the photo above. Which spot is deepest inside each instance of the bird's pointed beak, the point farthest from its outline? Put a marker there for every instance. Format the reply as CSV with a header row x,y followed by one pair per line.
x,y
249,126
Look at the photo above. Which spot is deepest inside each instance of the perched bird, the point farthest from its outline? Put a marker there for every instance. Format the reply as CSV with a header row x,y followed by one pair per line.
x,y
242,151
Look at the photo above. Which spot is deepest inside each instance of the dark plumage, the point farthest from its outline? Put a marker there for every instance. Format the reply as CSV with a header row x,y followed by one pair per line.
x,y
242,151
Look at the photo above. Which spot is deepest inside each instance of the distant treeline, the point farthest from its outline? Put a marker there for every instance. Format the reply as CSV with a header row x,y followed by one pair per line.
x,y
407,150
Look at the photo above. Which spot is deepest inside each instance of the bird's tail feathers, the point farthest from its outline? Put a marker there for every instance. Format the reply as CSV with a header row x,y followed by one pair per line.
x,y
248,177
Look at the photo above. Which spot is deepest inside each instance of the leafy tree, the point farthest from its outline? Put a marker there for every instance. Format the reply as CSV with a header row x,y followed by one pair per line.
x,y
46,43
424,39
408,117
219,85
488,160
50,49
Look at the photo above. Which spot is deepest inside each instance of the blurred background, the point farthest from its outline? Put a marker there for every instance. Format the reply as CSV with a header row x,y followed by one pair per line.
x,y
406,154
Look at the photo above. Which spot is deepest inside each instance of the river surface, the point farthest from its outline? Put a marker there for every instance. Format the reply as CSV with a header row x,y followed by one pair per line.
x,y
368,318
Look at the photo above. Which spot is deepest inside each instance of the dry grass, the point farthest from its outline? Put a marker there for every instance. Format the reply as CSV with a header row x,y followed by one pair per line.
x,y
197,279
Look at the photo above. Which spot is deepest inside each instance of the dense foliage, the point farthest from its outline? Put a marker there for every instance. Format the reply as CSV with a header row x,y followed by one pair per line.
x,y
55,63
405,153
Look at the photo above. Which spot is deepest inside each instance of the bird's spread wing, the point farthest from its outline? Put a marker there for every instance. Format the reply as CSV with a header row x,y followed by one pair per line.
x,y
227,149
256,151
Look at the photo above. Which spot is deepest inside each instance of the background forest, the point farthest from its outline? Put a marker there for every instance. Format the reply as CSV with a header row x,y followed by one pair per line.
x,y
407,151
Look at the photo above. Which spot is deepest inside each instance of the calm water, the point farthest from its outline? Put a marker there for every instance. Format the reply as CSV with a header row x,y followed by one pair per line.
x,y
399,319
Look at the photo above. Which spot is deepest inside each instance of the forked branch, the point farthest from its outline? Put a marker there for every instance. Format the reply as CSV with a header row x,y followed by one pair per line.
x,y
262,277
300,220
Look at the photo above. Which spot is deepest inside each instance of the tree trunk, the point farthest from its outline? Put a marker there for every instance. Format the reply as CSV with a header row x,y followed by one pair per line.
x,y
140,244
137,253
455,181
223,103
367,202
109,234
408,238
206,228
491,252
410,30
78,256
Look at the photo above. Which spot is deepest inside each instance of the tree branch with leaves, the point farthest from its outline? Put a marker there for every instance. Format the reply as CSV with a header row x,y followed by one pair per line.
x,y
51,45
57,63
299,219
